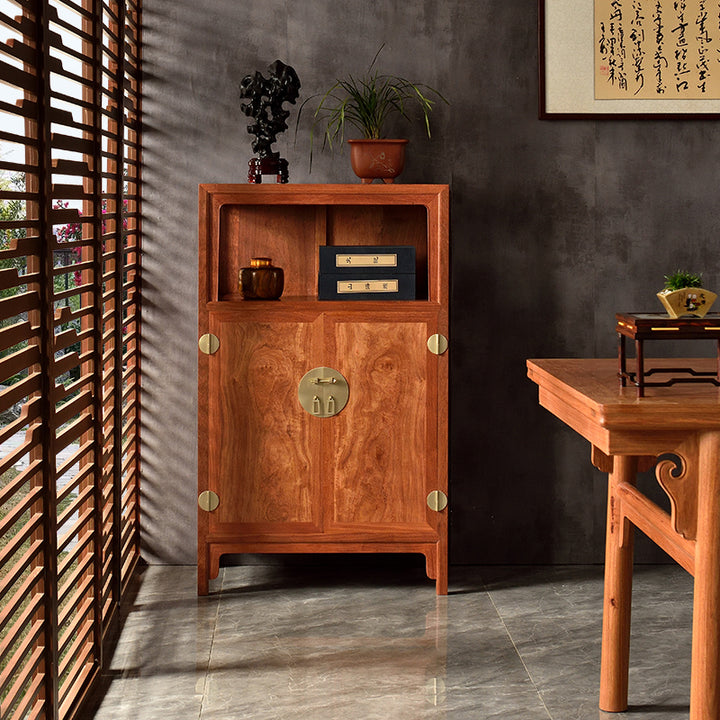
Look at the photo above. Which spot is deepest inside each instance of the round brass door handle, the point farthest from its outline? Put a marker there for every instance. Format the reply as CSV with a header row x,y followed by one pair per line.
x,y
323,392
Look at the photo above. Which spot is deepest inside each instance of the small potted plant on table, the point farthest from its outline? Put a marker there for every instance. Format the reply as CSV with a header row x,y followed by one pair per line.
x,y
683,295
366,103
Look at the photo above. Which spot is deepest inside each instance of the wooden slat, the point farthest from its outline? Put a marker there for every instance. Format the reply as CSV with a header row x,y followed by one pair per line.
x,y
85,474
14,515
65,315
71,167
81,612
19,50
11,278
75,530
74,407
78,9
11,459
11,605
73,144
81,456
21,360
15,334
72,292
84,496
13,574
31,697
70,337
75,656
73,432
19,304
66,563
14,663
30,614
20,390
29,413
70,602
69,361
63,391
85,670
22,246
23,678
19,78
66,191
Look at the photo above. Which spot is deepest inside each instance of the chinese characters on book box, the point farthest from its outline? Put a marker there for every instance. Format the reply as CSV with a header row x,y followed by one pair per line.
x,y
656,49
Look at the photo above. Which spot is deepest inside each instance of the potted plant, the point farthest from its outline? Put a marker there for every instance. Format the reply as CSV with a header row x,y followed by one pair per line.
x,y
366,103
683,295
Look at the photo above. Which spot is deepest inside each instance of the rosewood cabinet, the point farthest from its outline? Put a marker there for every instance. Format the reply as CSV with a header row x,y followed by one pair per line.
x,y
274,477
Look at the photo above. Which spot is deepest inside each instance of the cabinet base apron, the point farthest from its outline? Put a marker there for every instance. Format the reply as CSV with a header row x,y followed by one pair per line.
x,y
436,562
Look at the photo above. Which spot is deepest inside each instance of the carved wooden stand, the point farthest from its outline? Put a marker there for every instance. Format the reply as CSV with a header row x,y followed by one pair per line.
x,y
658,326
627,436
271,165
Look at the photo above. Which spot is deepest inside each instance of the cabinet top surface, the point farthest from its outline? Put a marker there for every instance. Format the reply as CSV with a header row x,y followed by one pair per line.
x,y
592,387
323,193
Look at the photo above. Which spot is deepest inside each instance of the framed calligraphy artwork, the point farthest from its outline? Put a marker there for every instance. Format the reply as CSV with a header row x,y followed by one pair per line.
x,y
629,58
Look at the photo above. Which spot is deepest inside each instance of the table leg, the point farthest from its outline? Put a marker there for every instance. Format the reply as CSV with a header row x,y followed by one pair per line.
x,y
705,678
615,657
639,354
622,360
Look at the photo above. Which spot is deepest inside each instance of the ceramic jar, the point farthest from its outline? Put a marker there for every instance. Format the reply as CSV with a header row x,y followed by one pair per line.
x,y
261,281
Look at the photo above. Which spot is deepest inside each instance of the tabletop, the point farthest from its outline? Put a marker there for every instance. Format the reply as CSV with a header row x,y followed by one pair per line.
x,y
586,394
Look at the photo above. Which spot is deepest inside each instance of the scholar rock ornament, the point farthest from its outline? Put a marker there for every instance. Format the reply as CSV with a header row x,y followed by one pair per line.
x,y
266,97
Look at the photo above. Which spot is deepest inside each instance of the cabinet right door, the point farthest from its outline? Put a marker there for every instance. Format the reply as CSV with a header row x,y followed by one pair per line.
x,y
382,455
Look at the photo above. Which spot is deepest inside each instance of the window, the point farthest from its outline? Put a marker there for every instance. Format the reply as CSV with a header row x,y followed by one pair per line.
x,y
69,341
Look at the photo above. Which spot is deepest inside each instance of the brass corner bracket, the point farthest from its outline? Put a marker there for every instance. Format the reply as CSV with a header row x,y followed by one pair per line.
x,y
437,500
437,344
208,500
209,343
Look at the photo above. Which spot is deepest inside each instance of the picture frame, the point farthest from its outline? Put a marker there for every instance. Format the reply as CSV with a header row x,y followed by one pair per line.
x,y
567,73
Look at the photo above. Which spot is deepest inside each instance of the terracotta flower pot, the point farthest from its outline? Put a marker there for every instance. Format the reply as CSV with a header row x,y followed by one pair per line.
x,y
687,301
383,159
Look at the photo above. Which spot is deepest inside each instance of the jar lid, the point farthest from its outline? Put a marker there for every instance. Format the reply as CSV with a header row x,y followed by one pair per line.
x,y
260,262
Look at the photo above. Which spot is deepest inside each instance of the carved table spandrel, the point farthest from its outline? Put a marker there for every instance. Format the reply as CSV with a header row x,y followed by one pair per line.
x,y
677,431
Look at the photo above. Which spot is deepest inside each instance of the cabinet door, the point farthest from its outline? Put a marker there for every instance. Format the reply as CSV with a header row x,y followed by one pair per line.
x,y
263,453
382,453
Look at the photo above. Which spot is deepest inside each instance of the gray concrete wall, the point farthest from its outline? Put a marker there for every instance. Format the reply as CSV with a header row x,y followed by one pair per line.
x,y
555,227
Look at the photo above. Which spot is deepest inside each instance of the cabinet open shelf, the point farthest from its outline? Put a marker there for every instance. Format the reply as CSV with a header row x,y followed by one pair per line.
x,y
289,223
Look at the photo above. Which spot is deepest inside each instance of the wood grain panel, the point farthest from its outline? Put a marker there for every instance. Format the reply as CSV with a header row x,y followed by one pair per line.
x,y
380,439
263,446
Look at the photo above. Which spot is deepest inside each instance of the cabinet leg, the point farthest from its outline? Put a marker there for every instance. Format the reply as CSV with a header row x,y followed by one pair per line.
x,y
436,567
615,658
441,579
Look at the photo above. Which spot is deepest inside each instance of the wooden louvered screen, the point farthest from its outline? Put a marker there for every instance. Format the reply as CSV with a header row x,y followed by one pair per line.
x,y
69,341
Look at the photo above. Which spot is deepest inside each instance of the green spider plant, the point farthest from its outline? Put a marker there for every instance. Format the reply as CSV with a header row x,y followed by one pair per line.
x,y
681,279
366,103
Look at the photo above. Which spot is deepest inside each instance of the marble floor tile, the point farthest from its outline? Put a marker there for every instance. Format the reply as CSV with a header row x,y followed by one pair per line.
x,y
366,643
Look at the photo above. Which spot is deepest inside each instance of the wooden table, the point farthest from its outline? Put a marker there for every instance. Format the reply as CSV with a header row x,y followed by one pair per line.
x,y
627,434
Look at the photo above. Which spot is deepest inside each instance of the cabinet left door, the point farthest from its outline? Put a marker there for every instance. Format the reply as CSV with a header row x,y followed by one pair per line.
x,y
262,452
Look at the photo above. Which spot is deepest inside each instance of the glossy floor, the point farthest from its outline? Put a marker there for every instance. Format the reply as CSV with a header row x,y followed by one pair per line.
x,y
303,642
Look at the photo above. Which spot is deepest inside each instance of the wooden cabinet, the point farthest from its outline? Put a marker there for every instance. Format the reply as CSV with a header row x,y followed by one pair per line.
x,y
273,477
